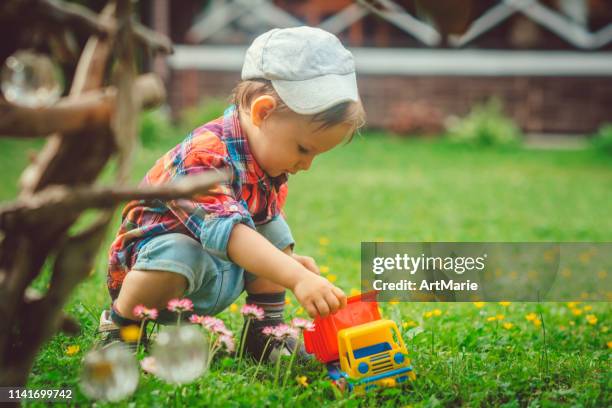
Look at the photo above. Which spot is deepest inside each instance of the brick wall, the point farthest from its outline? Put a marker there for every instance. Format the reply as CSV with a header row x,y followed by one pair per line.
x,y
538,104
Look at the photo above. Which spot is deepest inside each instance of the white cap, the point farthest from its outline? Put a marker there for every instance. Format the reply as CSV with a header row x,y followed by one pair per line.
x,y
309,68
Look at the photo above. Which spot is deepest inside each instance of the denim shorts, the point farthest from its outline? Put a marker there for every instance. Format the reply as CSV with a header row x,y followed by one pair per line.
x,y
213,283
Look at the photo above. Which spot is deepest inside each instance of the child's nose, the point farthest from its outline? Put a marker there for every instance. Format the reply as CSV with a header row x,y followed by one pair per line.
x,y
306,163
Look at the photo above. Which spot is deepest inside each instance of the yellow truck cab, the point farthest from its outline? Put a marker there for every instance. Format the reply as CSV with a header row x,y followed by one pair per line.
x,y
373,355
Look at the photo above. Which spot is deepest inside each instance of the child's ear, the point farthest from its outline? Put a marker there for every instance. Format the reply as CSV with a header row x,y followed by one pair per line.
x,y
261,108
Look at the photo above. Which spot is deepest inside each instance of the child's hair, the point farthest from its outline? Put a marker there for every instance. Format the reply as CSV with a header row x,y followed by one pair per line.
x,y
346,112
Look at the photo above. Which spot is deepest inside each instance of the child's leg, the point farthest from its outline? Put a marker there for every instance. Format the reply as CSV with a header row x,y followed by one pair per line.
x,y
160,287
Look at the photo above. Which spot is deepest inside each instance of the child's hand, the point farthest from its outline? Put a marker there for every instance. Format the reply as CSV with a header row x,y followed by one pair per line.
x,y
318,295
307,262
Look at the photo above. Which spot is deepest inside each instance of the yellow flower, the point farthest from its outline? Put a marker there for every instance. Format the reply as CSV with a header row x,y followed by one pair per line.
x,y
479,304
300,310
500,317
427,314
572,305
409,323
537,322
491,319
393,302
130,333
507,325
287,301
437,312
332,278
604,329
72,350
602,274
324,269
323,241
587,308
505,304
531,317
576,312
592,319
233,308
355,291
302,380
609,344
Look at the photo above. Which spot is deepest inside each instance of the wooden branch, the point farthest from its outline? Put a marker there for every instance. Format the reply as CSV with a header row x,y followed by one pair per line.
x,y
152,40
72,14
73,114
59,199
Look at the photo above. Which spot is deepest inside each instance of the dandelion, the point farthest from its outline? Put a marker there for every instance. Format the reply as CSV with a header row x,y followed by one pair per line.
x,y
572,305
437,312
143,313
324,269
303,380
180,354
410,323
354,292
576,312
300,310
249,312
233,308
491,319
179,306
500,317
537,322
148,364
609,344
531,317
507,325
130,334
72,350
324,241
479,304
109,373
427,314
287,301
332,278
505,304
587,308
591,319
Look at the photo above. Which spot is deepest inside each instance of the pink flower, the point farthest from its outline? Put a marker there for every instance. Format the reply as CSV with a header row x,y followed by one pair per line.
x,y
196,319
284,331
214,325
228,342
252,311
302,324
149,364
268,331
180,305
142,312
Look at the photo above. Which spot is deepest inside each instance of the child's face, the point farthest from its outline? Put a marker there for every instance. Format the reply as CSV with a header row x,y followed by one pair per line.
x,y
287,142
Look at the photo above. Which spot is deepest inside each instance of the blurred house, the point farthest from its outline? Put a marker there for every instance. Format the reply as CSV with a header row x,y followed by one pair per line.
x,y
550,61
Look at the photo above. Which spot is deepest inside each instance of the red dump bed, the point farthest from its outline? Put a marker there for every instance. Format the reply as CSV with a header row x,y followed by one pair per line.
x,y
323,341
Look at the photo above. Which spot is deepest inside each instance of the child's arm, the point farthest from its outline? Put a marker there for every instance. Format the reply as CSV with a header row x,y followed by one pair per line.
x,y
254,253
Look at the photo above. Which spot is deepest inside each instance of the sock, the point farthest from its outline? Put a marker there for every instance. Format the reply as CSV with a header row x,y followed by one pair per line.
x,y
273,305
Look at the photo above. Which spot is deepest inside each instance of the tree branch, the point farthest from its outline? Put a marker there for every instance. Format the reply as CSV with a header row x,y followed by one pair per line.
x,y
73,114
59,199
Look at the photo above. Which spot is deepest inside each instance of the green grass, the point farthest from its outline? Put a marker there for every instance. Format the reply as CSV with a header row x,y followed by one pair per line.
x,y
405,190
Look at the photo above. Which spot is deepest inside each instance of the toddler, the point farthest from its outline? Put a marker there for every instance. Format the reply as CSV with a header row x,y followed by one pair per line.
x,y
298,98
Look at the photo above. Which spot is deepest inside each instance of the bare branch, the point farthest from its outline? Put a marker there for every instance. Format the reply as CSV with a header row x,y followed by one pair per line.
x,y
73,14
59,199
152,40
73,114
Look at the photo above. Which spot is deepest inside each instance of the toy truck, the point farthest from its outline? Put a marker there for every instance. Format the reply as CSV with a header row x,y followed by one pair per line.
x,y
361,350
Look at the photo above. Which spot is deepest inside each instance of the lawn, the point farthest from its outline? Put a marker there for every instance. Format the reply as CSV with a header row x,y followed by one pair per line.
x,y
384,188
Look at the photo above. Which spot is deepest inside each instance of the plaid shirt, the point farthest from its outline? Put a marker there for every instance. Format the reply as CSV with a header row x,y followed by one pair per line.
x,y
251,197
